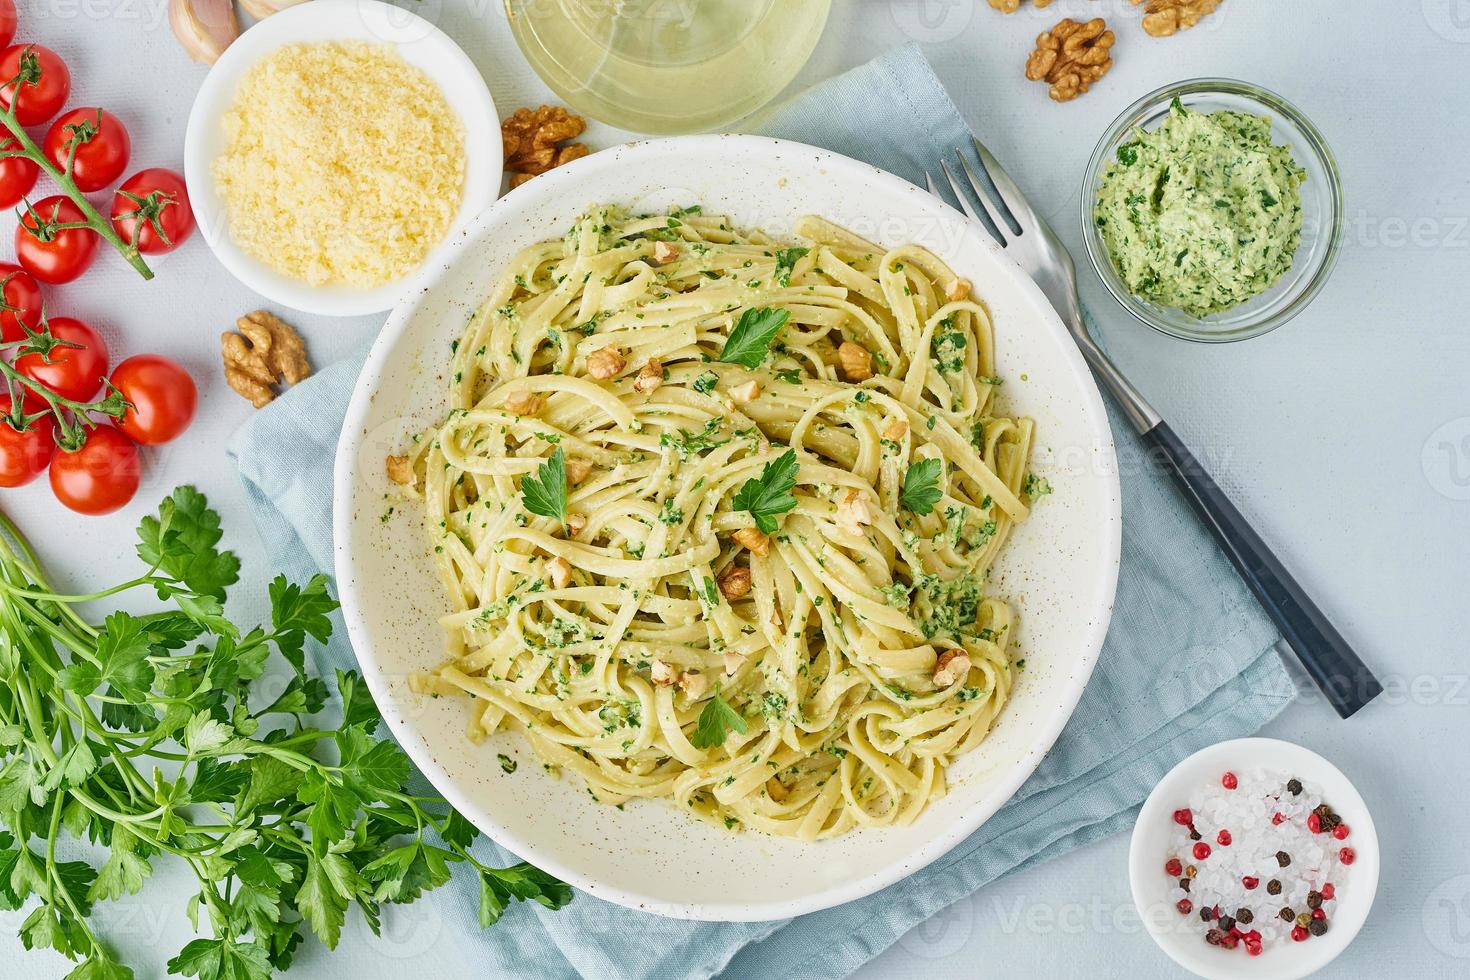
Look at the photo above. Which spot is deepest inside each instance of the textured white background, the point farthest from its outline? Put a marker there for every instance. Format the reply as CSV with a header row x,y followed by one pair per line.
x,y
1345,436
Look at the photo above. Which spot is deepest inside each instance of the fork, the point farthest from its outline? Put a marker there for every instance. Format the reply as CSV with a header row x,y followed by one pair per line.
x,y
1327,657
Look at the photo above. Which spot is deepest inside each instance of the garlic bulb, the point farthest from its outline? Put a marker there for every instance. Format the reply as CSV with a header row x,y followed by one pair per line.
x,y
261,9
204,27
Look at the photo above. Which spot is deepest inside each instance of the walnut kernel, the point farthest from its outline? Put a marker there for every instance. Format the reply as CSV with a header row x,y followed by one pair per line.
x,y
265,352
1071,57
650,376
1164,18
951,666
855,361
400,471
605,363
753,540
734,582
530,138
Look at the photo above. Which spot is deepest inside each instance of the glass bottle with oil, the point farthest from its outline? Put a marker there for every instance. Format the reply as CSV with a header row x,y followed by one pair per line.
x,y
667,66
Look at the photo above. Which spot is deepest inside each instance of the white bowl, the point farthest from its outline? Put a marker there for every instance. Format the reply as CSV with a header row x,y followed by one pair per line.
x,y
421,44
1060,567
1146,857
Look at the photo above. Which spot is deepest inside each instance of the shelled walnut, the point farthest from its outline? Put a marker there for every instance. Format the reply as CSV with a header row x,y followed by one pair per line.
x,y
266,352
1011,6
1071,56
1163,18
531,137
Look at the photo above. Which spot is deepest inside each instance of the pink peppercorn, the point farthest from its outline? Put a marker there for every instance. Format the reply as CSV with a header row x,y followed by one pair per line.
x,y
1229,781
1299,934
1173,868
1318,914
1250,882
1328,891
1277,818
1314,823
1183,817
1184,906
1347,855
1223,837
1340,831
1253,949
1202,851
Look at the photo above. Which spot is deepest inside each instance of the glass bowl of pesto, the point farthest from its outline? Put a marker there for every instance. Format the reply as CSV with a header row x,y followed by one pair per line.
x,y
1212,210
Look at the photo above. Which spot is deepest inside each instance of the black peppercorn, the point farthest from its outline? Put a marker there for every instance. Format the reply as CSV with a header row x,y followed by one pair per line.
x,y
1318,927
1226,922
1214,937
1314,900
1184,883
1287,914
1294,787
1194,834
1273,887
1245,916
1207,913
1282,858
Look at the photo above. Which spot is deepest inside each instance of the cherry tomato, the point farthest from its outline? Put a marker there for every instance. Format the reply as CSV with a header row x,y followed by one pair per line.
x,y
54,254
101,476
153,204
44,87
24,455
23,297
163,398
17,174
102,147
71,372
7,22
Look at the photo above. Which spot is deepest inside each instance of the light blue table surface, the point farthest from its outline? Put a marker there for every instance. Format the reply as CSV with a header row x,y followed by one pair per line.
x,y
1345,436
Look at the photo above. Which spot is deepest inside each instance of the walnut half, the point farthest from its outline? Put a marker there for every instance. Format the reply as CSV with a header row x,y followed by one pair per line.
x,y
1011,6
266,352
1163,18
1071,56
531,138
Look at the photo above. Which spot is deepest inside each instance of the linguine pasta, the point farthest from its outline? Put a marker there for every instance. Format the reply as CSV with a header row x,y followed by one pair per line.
x,y
764,598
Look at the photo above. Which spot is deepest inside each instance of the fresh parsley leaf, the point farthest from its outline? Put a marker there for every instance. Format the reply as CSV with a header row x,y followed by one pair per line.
x,y
770,495
546,493
750,341
921,486
786,259
123,649
715,722
181,541
521,882
297,611
221,959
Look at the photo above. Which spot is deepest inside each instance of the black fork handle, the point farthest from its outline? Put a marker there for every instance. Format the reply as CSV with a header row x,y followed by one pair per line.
x,y
1333,665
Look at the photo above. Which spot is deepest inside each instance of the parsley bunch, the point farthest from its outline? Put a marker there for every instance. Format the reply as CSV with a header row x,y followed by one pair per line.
x,y
145,736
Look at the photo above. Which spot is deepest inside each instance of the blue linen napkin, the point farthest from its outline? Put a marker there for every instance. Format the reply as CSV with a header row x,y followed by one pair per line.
x,y
1189,659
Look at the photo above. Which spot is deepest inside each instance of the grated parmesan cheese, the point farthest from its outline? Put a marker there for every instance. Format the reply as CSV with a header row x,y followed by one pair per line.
x,y
343,164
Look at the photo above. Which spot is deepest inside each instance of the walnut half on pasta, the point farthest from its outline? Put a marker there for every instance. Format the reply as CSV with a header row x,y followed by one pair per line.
x,y
614,637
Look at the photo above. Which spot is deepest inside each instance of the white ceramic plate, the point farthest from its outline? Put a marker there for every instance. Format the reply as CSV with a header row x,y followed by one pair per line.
x,y
1060,567
1180,938
421,44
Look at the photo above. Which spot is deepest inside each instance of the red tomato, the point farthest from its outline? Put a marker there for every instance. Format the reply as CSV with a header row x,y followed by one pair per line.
x,y
7,21
23,297
102,147
17,174
163,398
24,455
154,205
54,254
44,86
101,476
71,372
